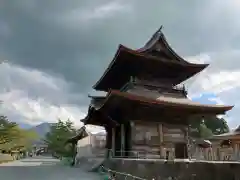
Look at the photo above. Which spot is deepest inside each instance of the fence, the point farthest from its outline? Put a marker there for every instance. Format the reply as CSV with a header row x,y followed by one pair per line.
x,y
95,147
207,154
122,154
214,154
116,174
143,155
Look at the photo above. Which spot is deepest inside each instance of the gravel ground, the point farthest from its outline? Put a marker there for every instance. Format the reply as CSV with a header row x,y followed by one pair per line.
x,y
42,168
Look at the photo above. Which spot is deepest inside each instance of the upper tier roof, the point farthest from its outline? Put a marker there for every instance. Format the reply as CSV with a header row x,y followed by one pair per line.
x,y
155,59
159,43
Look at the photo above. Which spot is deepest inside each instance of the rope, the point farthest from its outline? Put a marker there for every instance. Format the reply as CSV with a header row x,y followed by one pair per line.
x,y
121,173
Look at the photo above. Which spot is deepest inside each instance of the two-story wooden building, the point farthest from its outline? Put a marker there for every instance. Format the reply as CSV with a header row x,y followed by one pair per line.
x,y
146,112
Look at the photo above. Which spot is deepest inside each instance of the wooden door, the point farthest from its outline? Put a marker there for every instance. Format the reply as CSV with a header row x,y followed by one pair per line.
x,y
181,151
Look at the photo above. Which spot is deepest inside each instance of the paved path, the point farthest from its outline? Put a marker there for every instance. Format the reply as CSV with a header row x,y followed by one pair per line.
x,y
42,168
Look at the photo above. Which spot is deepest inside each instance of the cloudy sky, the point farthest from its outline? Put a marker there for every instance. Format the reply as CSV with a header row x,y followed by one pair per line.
x,y
56,50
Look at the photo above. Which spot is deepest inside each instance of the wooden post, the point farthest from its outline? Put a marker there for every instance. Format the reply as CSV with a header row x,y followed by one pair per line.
x,y
238,148
122,140
160,134
235,151
132,138
113,143
188,143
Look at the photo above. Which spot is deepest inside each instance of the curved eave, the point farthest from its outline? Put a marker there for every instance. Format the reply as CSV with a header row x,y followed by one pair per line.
x,y
96,97
216,109
160,37
90,116
196,68
82,134
95,117
153,58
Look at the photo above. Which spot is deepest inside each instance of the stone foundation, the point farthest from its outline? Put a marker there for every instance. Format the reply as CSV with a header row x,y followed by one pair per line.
x,y
178,169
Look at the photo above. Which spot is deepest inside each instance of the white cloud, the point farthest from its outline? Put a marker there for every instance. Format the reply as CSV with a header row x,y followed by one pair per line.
x,y
217,100
199,59
30,96
220,78
222,81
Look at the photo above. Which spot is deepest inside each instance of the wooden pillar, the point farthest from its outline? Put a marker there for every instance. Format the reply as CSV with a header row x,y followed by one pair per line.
x,y
188,143
122,140
235,151
218,154
113,142
117,141
128,139
108,144
134,154
238,148
160,134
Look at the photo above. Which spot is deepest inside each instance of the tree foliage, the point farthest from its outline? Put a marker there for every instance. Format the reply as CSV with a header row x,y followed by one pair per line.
x,y
12,137
57,137
208,126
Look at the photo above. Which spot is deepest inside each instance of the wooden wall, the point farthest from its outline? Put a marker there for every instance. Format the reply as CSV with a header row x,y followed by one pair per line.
x,y
151,139
173,133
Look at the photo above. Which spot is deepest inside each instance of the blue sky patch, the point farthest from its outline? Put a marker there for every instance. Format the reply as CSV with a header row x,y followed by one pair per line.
x,y
205,98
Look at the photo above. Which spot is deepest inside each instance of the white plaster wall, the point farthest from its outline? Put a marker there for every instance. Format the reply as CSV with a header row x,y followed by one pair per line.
x,y
91,146
84,147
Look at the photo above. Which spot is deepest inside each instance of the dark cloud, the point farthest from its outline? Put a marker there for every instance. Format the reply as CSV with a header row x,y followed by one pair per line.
x,y
61,37
75,40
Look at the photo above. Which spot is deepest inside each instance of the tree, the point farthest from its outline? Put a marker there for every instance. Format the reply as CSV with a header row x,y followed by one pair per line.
x,y
7,130
12,137
57,137
217,125
208,126
204,131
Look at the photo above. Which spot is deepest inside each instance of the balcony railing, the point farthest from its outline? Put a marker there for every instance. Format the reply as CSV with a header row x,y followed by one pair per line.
x,y
156,86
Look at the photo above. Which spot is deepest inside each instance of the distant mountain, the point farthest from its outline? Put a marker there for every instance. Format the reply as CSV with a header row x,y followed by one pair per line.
x,y
41,130
25,126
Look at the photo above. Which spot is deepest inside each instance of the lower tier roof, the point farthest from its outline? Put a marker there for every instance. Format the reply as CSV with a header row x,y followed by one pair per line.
x,y
114,98
227,136
233,135
132,106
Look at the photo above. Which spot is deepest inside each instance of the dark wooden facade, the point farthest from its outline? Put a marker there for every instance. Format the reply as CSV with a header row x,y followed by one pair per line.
x,y
146,113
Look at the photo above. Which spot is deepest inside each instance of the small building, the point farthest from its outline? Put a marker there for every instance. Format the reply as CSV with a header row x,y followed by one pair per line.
x,y
201,149
88,144
146,111
227,145
92,145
